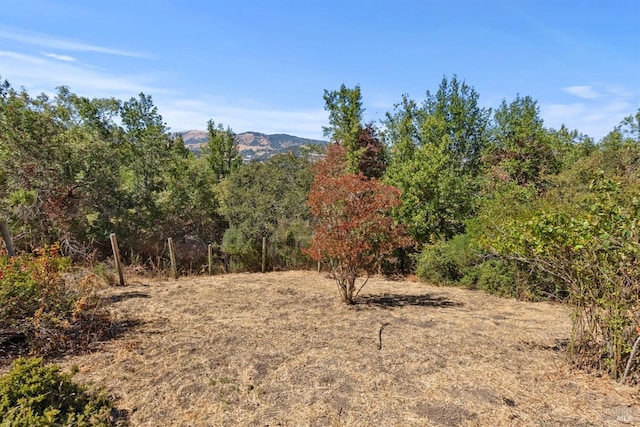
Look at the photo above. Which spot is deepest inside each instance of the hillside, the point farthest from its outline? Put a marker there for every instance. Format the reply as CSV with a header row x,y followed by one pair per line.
x,y
254,145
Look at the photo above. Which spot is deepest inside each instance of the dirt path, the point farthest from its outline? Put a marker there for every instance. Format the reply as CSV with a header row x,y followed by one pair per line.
x,y
280,350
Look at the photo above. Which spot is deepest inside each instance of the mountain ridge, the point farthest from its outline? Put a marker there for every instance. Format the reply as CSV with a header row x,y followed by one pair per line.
x,y
255,146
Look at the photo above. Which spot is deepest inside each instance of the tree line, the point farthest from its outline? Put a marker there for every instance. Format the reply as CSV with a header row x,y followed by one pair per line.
x,y
74,169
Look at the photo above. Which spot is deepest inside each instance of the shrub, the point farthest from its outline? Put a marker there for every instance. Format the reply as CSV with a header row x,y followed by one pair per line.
x,y
33,394
54,308
494,276
354,230
446,262
459,262
245,254
592,248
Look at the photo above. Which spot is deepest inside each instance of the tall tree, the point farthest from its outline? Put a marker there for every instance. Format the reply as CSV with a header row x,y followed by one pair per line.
x,y
221,150
345,121
435,159
453,117
148,147
630,127
92,137
521,149
402,131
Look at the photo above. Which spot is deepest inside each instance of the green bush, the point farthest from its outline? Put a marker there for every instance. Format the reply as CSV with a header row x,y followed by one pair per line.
x,y
33,394
458,262
245,254
494,276
590,245
446,262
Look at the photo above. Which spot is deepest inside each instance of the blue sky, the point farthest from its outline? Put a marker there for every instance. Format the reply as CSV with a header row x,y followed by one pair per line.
x,y
263,65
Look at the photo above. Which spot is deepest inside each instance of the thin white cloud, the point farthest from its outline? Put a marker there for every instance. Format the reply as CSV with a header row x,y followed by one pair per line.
x,y
48,70
53,42
585,92
20,57
182,115
44,74
595,117
65,58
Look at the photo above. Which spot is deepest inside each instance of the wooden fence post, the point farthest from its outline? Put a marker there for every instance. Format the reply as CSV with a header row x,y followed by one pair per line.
x,y
264,254
210,258
172,257
116,257
6,236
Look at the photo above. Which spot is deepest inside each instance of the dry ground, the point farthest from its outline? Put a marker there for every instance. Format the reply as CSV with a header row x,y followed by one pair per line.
x,y
279,349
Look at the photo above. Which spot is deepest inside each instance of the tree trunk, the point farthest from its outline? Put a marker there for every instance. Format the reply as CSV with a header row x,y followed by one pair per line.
x,y
350,290
6,236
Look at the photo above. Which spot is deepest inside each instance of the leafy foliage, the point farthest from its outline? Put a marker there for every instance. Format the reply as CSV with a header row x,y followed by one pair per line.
x,y
459,262
521,149
267,199
345,121
592,247
435,160
446,262
33,394
73,170
354,229
221,151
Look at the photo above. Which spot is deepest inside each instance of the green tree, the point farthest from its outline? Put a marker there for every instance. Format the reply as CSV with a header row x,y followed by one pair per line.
x,y
31,160
59,167
630,128
92,168
221,150
521,149
453,118
435,159
267,200
403,130
190,202
147,147
345,121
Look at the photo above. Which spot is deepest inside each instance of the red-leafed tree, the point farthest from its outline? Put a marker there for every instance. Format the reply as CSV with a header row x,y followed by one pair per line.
x,y
354,229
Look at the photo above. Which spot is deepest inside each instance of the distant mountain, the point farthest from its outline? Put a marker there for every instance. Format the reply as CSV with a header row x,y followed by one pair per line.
x,y
255,145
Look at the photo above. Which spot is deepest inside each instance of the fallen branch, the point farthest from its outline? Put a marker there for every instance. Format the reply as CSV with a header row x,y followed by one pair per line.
x,y
380,335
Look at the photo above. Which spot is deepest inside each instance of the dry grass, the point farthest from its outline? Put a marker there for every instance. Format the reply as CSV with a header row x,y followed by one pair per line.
x,y
280,349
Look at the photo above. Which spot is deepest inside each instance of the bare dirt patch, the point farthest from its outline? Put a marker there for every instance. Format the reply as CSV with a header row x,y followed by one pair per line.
x,y
279,349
